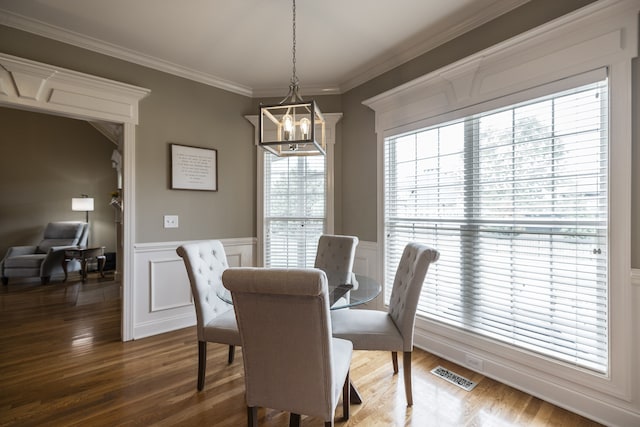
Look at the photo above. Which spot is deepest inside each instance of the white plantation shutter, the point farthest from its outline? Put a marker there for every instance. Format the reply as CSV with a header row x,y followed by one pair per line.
x,y
515,200
294,209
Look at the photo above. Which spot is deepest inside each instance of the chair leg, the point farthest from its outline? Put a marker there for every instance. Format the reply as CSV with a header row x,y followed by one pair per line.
x,y
328,423
252,416
202,363
394,360
232,353
406,367
294,420
346,397
45,279
5,281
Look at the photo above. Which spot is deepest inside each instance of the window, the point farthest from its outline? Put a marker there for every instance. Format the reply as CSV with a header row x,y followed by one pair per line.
x,y
294,209
516,200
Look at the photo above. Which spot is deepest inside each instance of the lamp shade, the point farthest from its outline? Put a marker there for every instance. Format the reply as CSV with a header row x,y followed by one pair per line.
x,y
82,204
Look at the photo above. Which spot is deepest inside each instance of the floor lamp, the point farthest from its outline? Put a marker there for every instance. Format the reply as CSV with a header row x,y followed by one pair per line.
x,y
84,203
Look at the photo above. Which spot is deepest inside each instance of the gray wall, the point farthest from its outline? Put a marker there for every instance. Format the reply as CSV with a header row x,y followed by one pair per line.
x,y
47,160
190,113
178,111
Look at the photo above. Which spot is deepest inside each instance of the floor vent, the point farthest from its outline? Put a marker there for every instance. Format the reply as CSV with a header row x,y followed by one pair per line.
x,y
453,378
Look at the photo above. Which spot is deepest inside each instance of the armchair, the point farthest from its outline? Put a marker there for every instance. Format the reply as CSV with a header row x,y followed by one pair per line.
x,y
45,259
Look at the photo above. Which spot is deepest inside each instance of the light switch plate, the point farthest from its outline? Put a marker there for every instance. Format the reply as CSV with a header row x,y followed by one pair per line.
x,y
171,221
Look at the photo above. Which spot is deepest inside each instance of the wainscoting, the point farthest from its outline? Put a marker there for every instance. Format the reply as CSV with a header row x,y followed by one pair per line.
x,y
162,300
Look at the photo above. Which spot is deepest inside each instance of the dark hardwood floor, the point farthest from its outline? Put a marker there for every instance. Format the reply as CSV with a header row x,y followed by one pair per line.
x,y
62,364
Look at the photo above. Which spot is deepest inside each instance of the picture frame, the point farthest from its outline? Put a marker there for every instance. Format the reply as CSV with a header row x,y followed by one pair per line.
x,y
194,168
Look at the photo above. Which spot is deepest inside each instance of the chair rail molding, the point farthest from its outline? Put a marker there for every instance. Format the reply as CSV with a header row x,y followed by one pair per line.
x,y
35,86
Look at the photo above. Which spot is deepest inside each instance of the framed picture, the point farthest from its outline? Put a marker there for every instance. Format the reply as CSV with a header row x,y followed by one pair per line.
x,y
194,168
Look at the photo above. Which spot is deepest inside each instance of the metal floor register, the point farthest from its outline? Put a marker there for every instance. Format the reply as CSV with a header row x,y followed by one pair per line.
x,y
453,378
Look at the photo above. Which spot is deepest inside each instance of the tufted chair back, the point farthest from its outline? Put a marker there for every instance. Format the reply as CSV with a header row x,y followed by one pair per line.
x,y
407,285
205,262
291,361
335,257
216,322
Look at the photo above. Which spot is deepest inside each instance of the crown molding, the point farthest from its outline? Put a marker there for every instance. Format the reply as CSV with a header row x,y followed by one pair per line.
x,y
305,91
434,38
429,41
53,32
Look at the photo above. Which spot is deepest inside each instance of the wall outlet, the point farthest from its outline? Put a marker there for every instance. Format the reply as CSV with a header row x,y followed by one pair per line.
x,y
474,362
171,221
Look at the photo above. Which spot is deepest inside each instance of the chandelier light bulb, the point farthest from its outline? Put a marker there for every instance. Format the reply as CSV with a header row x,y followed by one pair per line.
x,y
287,126
305,125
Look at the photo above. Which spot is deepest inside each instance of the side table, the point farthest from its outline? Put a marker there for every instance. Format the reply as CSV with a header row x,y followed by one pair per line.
x,y
84,255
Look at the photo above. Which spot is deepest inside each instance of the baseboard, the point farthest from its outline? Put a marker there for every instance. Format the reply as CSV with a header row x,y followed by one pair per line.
x,y
522,378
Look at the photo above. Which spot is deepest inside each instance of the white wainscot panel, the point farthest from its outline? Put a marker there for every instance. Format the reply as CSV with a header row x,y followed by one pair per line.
x,y
165,274
162,294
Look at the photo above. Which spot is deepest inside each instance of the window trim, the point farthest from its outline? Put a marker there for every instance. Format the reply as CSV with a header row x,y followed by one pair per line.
x,y
331,120
601,35
399,217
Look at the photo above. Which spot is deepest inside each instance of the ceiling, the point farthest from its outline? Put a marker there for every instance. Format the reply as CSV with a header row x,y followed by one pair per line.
x,y
245,46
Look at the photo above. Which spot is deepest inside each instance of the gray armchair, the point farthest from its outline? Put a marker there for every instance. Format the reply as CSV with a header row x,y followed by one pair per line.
x,y
45,259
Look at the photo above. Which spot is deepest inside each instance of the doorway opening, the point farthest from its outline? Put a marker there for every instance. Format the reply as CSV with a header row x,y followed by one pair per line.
x,y
44,88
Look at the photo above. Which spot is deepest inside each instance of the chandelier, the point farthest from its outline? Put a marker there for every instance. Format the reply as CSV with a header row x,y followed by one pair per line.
x,y
293,127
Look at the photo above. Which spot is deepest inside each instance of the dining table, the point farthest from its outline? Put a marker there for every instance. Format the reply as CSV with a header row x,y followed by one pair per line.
x,y
361,290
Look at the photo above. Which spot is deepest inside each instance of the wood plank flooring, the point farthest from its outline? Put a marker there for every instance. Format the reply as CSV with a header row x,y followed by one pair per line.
x,y
62,364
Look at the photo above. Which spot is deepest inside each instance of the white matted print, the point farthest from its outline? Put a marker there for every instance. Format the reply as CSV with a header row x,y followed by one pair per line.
x,y
194,168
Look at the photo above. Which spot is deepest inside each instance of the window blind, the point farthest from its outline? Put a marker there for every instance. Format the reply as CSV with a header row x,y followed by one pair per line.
x,y
515,200
294,209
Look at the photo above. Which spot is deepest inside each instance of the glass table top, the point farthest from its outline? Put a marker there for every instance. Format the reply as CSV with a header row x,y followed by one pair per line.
x,y
361,290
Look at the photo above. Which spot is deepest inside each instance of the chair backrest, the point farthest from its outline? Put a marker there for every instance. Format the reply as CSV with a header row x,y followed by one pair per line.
x,y
407,286
205,262
335,256
285,329
63,233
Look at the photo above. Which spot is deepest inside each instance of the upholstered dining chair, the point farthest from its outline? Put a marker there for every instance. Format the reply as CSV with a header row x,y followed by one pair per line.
x,y
45,259
205,262
391,330
291,361
335,256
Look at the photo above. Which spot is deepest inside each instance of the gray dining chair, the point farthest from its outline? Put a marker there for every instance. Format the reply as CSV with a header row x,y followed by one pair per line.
x,y
291,361
391,330
335,256
205,262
